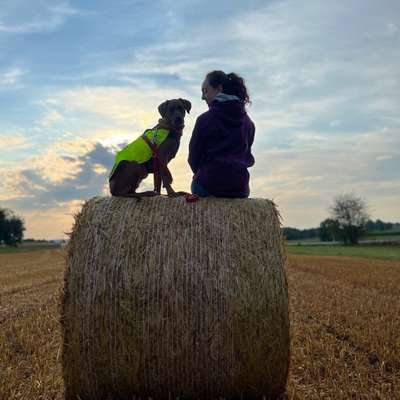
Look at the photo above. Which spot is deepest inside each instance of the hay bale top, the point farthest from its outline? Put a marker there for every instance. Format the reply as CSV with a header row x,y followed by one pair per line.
x,y
162,220
152,210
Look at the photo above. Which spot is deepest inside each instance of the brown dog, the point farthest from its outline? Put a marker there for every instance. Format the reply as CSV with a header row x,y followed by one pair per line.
x,y
132,164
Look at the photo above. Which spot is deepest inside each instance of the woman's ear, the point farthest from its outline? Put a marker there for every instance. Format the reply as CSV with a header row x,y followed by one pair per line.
x,y
186,104
162,108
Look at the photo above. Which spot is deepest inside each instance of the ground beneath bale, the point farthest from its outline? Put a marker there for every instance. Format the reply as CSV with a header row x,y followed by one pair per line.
x,y
344,323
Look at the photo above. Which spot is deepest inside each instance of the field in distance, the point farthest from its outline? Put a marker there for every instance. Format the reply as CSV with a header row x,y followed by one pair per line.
x,y
390,252
344,326
28,247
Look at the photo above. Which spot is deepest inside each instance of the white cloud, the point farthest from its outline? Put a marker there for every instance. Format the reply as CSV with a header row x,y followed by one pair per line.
x,y
12,142
384,157
51,118
323,78
392,28
307,176
117,105
22,17
12,78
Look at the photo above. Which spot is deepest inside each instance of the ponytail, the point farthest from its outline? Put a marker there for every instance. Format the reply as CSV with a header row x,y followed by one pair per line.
x,y
231,84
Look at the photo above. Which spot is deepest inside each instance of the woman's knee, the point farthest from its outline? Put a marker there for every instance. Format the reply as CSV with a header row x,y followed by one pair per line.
x,y
198,190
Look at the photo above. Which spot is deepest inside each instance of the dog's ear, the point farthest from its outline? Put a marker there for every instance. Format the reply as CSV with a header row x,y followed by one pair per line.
x,y
187,105
162,108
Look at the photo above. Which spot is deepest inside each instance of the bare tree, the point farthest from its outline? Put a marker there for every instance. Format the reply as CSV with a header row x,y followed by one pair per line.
x,y
351,214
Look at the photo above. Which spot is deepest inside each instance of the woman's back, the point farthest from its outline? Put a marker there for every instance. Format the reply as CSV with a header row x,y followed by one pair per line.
x,y
219,151
220,147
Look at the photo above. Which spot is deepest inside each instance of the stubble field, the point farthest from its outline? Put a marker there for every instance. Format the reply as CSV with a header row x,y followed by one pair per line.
x,y
344,312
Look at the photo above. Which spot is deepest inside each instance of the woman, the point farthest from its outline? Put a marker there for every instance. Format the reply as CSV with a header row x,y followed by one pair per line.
x,y
220,147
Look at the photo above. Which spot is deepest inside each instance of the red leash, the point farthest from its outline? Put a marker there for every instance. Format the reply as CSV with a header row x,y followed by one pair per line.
x,y
158,163
191,198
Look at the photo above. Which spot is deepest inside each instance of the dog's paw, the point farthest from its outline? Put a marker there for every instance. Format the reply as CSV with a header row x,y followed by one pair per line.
x,y
176,194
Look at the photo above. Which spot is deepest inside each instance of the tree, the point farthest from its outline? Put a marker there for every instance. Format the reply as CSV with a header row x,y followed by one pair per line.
x,y
329,230
299,234
3,224
350,212
11,228
378,225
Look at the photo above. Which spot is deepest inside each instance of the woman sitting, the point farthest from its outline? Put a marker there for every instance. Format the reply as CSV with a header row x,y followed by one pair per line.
x,y
220,147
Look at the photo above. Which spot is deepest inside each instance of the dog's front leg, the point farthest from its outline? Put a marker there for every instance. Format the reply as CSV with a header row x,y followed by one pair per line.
x,y
171,192
166,153
167,185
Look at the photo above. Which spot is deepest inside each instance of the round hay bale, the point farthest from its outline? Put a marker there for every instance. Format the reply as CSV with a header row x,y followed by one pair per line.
x,y
167,299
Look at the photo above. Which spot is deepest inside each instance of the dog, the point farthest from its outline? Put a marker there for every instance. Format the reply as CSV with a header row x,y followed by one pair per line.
x,y
151,153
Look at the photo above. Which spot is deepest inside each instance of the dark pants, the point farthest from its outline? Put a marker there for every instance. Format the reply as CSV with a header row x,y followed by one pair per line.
x,y
199,190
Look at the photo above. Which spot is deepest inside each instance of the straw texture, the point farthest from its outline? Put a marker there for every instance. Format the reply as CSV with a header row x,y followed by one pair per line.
x,y
168,299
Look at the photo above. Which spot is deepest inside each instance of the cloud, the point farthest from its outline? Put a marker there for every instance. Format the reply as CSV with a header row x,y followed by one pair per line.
x,y
51,118
307,67
316,168
392,28
11,142
57,179
119,106
69,171
323,78
19,17
11,79
51,223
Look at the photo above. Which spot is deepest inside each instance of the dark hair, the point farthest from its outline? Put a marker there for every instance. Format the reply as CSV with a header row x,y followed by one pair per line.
x,y
231,84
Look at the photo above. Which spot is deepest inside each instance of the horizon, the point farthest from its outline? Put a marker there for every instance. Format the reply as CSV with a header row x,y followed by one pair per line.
x,y
78,79
282,227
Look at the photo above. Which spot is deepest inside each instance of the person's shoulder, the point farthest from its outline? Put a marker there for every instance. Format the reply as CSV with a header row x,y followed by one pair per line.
x,y
205,118
205,114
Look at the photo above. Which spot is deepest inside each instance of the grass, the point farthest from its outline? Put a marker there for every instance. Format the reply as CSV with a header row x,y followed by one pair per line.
x,y
391,252
27,248
344,313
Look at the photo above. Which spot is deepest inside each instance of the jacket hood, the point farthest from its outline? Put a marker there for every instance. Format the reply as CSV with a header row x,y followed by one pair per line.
x,y
232,113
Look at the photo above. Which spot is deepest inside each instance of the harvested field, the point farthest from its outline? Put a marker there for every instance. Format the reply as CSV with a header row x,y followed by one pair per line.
x,y
344,316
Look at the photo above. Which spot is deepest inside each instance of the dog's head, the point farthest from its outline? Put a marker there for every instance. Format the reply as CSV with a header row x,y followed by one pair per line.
x,y
174,111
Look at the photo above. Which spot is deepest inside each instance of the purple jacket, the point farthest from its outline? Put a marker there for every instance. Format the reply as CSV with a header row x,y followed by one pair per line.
x,y
220,149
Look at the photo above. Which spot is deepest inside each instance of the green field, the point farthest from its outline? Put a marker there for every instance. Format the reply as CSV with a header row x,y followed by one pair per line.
x,y
389,236
27,247
369,251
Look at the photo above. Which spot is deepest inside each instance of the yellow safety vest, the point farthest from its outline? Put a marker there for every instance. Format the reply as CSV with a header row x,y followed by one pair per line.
x,y
138,150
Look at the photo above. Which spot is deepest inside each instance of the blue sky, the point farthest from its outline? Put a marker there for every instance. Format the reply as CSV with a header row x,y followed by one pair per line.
x,y
80,78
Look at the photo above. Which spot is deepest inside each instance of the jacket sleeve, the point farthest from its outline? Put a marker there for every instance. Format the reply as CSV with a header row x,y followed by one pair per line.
x,y
196,146
250,143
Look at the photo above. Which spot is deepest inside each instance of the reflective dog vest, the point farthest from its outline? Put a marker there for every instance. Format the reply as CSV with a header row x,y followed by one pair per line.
x,y
138,150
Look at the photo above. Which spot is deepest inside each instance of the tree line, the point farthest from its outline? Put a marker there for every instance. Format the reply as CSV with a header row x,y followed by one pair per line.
x,y
348,222
12,228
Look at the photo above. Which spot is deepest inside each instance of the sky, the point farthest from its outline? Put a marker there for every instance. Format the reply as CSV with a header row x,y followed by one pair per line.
x,y
80,79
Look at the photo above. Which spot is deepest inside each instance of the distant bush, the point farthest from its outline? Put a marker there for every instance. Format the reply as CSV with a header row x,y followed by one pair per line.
x,y
11,228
